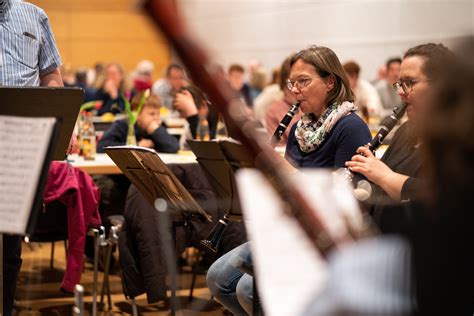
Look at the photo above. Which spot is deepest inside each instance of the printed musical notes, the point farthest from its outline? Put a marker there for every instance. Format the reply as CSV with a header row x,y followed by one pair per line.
x,y
23,146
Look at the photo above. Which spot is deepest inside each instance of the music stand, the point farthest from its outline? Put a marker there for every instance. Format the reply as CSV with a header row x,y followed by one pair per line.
x,y
60,103
152,177
220,160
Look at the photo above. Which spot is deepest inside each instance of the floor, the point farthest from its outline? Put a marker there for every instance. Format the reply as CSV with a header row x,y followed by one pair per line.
x,y
38,289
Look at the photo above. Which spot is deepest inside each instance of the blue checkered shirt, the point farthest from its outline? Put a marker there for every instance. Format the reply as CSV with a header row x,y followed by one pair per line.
x,y
28,49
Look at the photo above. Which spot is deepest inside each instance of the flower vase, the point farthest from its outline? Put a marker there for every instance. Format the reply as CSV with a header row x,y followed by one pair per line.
x,y
131,139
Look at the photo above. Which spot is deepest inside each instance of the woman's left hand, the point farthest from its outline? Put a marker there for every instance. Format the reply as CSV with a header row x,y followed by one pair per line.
x,y
369,166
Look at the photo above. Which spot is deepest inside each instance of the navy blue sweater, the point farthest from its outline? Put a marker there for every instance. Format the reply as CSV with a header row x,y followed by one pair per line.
x,y
116,135
339,146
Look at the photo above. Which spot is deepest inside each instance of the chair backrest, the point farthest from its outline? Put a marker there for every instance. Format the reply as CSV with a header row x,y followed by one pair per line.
x,y
51,224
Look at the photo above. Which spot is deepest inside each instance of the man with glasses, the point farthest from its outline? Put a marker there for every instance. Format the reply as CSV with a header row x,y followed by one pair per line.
x,y
396,175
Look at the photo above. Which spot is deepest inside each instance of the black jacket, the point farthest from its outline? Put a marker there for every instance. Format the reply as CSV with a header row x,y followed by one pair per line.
x,y
141,258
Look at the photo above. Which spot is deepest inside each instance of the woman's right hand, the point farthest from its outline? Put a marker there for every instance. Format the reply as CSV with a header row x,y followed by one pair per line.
x,y
377,172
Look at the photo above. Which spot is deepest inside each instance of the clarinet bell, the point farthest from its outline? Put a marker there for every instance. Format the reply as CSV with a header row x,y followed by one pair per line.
x,y
214,238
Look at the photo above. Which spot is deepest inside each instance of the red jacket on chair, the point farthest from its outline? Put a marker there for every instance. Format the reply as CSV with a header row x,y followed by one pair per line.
x,y
75,189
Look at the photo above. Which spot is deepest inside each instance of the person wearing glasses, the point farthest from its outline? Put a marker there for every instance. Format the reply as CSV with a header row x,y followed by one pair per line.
x,y
397,175
327,135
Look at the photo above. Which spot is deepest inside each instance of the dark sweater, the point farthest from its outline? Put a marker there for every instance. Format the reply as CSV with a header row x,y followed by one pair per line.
x,y
402,156
108,103
340,145
116,135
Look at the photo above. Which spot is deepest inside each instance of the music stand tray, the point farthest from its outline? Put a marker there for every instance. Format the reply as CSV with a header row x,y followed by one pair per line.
x,y
152,177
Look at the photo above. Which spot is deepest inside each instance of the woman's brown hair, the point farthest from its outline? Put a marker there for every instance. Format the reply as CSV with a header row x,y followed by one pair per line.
x,y
326,64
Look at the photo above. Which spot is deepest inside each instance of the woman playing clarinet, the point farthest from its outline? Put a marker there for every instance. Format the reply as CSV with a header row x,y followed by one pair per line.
x,y
327,135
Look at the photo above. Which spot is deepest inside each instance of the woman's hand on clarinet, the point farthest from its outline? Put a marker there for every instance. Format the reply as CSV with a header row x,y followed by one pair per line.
x,y
368,165
377,172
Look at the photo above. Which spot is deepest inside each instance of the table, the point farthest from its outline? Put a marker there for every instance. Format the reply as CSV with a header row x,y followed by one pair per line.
x,y
104,165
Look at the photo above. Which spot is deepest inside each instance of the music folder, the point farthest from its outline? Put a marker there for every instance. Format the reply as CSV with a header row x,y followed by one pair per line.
x,y
35,127
220,160
145,169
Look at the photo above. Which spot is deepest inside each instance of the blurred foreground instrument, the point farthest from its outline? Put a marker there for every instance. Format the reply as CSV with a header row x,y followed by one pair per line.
x,y
240,126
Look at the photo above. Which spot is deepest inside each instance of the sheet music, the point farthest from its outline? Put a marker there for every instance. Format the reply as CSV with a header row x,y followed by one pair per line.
x,y
290,271
23,146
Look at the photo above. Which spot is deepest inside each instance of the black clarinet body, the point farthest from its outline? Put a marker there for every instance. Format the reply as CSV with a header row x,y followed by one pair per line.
x,y
386,126
285,122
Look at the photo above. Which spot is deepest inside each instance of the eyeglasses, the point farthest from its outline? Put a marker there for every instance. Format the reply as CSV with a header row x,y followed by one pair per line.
x,y
407,85
299,83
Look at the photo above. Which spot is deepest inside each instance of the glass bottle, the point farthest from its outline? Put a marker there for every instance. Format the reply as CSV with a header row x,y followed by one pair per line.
x,y
87,138
202,132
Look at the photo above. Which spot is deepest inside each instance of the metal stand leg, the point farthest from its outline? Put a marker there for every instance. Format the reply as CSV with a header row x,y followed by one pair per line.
x,y
105,282
51,260
96,271
193,282
1,274
164,223
134,307
99,237
78,309
174,272
255,301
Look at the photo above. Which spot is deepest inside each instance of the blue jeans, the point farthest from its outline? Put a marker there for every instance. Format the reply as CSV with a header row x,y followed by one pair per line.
x,y
226,281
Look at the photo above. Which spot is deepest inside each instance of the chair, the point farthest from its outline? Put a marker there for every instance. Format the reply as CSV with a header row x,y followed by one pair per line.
x,y
51,226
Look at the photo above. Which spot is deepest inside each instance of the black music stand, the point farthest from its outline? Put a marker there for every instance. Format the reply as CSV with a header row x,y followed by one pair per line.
x,y
63,105
145,169
220,160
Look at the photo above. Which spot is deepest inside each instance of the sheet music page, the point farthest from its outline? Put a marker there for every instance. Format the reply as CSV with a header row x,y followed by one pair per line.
x,y
290,271
23,146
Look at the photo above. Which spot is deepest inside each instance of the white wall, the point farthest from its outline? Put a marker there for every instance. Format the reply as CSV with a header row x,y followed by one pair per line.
x,y
367,31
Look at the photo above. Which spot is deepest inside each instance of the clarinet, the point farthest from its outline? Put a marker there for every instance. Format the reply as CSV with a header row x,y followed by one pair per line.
x,y
386,126
286,120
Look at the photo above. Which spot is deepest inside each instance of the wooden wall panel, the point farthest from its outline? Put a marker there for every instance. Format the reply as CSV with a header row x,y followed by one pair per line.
x,y
90,31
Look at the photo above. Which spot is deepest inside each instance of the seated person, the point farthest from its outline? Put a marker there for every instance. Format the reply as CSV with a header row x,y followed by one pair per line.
x,y
327,135
140,243
396,177
150,133
430,272
193,105
110,89
149,130
141,253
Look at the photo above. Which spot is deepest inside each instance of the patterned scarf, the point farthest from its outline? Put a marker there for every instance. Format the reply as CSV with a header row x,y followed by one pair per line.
x,y
311,132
